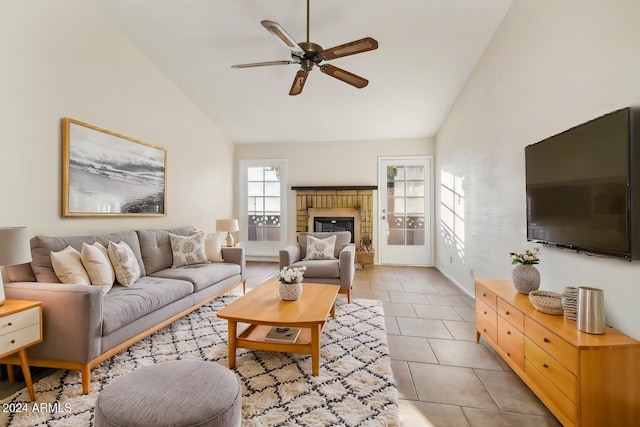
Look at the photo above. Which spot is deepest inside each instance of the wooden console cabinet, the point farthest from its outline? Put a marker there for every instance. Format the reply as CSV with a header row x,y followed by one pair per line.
x,y
585,380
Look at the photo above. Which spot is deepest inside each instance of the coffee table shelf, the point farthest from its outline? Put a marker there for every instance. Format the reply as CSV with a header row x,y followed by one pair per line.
x,y
262,309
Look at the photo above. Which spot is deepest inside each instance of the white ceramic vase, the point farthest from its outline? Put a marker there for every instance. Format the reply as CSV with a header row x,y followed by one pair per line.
x,y
526,278
290,291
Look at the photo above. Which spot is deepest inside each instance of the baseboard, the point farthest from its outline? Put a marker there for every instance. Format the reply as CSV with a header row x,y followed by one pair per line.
x,y
455,282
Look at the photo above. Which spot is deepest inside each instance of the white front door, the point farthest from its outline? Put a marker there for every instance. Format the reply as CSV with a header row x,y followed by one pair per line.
x,y
405,211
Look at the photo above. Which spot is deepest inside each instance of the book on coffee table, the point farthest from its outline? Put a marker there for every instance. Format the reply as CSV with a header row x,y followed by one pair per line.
x,y
281,334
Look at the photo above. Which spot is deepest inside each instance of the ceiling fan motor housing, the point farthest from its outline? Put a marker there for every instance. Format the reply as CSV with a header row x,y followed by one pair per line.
x,y
312,52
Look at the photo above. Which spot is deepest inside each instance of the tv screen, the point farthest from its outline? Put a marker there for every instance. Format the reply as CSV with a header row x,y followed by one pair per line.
x,y
578,187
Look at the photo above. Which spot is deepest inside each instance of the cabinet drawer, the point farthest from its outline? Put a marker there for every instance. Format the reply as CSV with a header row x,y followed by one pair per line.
x,y
16,321
486,296
512,353
485,329
511,314
11,342
552,344
485,312
561,406
552,370
507,333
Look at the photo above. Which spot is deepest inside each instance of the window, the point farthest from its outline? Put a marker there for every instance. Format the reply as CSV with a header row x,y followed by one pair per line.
x,y
263,206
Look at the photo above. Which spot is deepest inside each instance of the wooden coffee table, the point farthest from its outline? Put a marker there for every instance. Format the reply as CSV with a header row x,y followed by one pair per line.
x,y
262,308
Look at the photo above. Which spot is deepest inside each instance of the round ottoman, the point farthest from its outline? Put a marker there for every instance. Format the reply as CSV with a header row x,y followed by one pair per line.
x,y
178,393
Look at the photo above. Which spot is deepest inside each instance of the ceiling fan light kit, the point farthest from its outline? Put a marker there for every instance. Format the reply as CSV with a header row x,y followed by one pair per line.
x,y
308,54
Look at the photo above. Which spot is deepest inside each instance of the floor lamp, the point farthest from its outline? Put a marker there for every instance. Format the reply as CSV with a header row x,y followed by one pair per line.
x,y
14,249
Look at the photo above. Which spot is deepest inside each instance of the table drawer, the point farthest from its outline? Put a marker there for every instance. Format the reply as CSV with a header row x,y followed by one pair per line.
x,y
552,344
11,342
551,369
515,356
511,314
19,320
487,314
486,296
488,331
509,334
561,406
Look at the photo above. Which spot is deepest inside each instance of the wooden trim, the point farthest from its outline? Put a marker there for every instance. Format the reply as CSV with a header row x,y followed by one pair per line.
x,y
85,368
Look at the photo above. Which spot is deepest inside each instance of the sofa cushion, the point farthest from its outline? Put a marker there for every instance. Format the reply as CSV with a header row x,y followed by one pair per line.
x,y
124,263
188,250
95,260
201,275
343,238
67,265
41,246
155,247
320,267
123,305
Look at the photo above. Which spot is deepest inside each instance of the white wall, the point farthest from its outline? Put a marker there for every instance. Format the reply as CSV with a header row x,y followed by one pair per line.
x,y
331,163
63,59
551,65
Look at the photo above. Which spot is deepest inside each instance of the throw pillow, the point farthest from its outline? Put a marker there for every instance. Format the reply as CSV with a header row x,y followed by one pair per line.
x,y
68,267
188,250
95,260
124,263
213,245
320,248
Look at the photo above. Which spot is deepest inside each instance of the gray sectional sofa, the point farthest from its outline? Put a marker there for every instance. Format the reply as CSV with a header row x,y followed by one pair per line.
x,y
82,327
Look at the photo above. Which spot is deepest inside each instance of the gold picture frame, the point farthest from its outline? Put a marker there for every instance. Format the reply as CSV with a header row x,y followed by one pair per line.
x,y
105,174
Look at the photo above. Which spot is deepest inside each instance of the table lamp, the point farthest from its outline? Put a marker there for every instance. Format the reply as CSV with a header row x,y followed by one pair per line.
x,y
229,225
14,249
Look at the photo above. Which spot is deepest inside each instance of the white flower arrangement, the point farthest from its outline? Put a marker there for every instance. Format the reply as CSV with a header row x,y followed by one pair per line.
x,y
528,257
291,275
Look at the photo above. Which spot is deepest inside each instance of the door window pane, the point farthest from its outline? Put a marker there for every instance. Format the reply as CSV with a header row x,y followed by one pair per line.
x,y
263,189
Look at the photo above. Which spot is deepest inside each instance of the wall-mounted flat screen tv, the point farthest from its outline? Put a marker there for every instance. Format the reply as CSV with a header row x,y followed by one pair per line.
x,y
583,189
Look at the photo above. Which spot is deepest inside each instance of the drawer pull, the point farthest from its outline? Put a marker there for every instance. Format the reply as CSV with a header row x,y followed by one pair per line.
x,y
509,354
545,366
546,340
9,324
507,312
484,330
484,295
13,341
508,332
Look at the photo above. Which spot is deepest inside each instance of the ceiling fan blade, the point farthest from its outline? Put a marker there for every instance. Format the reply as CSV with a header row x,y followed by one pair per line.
x,y
275,29
262,64
358,46
345,76
298,82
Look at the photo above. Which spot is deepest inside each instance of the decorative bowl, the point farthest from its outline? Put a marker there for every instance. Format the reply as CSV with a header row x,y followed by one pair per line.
x,y
547,302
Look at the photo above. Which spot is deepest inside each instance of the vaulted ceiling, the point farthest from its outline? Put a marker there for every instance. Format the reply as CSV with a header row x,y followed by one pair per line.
x,y
427,50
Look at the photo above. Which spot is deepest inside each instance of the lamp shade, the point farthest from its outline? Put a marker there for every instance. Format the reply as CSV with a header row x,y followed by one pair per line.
x,y
14,246
227,224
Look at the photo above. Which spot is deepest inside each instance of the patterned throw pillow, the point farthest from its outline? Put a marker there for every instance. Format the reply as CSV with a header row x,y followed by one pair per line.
x,y
68,267
320,248
124,263
95,260
188,250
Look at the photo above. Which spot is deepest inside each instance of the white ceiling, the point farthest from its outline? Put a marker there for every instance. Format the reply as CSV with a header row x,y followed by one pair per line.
x,y
427,50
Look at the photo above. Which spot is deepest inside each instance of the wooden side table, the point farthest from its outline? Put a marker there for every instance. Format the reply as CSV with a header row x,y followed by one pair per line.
x,y
20,327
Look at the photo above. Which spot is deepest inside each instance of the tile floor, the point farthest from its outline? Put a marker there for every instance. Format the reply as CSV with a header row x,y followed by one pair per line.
x,y
444,378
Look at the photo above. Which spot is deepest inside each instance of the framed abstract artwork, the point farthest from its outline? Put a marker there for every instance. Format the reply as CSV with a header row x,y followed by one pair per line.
x,y
108,174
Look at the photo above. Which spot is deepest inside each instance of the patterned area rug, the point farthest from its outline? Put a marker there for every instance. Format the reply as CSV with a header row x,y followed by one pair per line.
x,y
355,386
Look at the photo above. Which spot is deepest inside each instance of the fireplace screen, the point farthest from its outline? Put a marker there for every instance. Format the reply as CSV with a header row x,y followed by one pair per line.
x,y
334,224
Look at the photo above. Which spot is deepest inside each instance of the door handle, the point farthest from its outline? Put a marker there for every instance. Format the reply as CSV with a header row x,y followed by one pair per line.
x,y
384,217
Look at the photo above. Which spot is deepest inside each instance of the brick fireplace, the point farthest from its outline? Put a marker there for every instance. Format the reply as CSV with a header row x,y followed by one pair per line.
x,y
336,202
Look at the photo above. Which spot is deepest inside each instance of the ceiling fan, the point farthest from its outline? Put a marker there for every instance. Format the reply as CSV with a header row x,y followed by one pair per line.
x,y
308,54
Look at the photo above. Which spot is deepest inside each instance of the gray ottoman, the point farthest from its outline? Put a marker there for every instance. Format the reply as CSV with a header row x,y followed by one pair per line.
x,y
178,393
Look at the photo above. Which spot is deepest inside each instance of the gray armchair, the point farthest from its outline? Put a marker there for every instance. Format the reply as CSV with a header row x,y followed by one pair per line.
x,y
338,271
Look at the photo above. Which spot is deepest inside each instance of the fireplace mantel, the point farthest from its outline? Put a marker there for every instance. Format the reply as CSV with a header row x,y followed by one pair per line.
x,y
335,187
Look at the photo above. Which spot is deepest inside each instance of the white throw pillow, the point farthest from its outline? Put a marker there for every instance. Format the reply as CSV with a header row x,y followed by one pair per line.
x,y
188,250
124,263
95,260
320,248
68,267
213,245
